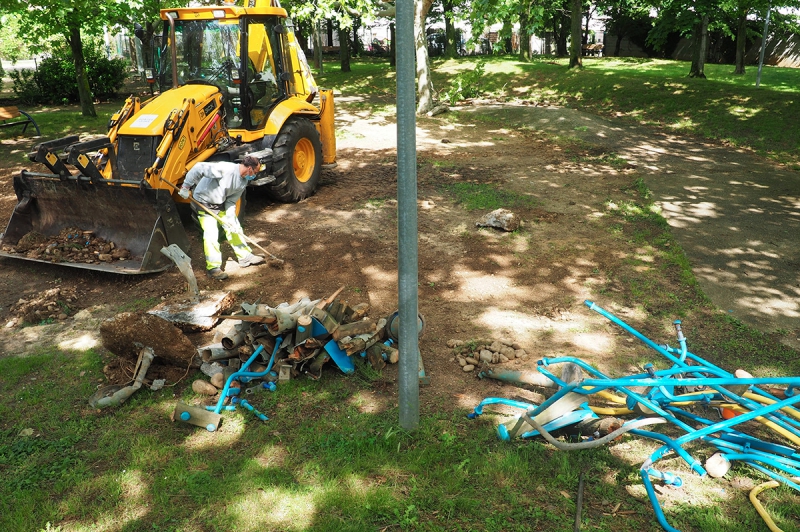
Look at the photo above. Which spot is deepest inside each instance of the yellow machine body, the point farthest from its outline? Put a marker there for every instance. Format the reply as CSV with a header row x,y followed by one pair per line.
x,y
233,81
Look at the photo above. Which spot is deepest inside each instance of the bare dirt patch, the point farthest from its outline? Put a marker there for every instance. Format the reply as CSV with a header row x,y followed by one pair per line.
x,y
528,285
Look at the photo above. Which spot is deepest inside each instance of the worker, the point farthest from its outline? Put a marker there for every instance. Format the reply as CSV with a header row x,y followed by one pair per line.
x,y
218,186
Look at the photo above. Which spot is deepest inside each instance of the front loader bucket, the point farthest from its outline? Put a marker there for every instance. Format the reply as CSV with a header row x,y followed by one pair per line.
x,y
140,220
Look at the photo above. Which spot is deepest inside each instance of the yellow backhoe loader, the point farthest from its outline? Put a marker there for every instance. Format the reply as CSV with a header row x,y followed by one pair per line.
x,y
234,82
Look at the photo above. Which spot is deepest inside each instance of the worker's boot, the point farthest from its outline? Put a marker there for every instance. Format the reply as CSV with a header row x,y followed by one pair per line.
x,y
216,273
250,260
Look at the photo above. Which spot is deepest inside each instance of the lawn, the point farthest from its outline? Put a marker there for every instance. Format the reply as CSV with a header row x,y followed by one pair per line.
x,y
331,457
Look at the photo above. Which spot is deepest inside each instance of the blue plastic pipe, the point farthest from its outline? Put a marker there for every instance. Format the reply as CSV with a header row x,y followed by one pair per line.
x,y
244,372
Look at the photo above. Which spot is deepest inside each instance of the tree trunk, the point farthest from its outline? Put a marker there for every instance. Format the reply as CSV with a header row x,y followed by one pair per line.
x,y
357,44
524,36
344,49
618,45
134,55
85,95
318,47
741,42
424,81
700,49
450,44
147,45
392,46
148,54
507,33
561,33
329,28
575,60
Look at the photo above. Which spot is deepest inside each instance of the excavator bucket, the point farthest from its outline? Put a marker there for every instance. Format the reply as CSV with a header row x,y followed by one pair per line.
x,y
95,224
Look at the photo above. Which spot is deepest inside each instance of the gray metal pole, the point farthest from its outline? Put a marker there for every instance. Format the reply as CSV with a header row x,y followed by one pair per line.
x,y
408,337
763,47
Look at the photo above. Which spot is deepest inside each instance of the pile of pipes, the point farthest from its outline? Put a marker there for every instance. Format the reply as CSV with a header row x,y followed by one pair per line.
x,y
301,337
704,402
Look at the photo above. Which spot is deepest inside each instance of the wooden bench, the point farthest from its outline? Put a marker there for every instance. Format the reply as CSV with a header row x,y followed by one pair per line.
x,y
12,116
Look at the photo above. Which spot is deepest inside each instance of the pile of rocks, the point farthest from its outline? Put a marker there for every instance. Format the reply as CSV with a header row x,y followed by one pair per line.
x,y
53,304
471,354
70,245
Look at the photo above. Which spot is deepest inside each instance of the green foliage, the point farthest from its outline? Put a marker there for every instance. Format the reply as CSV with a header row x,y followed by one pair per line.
x,y
467,84
55,81
25,86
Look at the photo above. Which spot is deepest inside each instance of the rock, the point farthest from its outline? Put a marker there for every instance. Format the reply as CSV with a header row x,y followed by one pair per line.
x,y
462,361
105,257
520,353
62,316
717,465
488,356
472,361
468,367
507,352
158,384
516,346
438,109
203,388
26,433
496,346
500,219
211,369
84,314
507,341
502,358
218,380
454,343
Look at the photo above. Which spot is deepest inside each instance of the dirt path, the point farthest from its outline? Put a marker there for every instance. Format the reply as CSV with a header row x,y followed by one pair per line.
x,y
735,214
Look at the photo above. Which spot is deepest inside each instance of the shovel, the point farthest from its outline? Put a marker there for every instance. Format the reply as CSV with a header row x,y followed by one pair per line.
x,y
275,261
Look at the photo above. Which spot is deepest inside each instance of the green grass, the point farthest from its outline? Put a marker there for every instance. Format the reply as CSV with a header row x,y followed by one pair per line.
x,y
480,196
321,463
724,107
55,122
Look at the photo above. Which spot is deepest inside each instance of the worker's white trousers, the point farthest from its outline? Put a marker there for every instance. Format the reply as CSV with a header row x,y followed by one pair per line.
x,y
233,232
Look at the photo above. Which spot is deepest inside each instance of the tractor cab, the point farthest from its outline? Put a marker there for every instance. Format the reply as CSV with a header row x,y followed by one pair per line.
x,y
216,52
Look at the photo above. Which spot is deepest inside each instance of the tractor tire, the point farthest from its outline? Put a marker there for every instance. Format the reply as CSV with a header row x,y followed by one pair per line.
x,y
297,161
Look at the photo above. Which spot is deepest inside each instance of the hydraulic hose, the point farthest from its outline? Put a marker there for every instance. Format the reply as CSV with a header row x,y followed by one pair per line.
x,y
760,508
591,444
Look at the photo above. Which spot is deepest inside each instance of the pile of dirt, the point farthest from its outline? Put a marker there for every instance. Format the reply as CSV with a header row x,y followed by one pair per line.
x,y
70,245
55,303
125,334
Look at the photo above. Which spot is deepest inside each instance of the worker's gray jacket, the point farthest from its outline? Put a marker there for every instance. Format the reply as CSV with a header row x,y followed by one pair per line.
x,y
217,185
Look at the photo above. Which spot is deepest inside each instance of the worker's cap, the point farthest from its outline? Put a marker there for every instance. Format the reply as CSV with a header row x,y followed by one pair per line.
x,y
251,162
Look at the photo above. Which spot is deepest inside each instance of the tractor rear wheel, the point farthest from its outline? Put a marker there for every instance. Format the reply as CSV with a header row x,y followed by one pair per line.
x,y
297,161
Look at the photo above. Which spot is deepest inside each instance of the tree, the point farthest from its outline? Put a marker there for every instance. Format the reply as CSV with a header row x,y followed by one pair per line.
x,y
424,81
739,11
627,18
575,60
688,17
700,48
69,19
